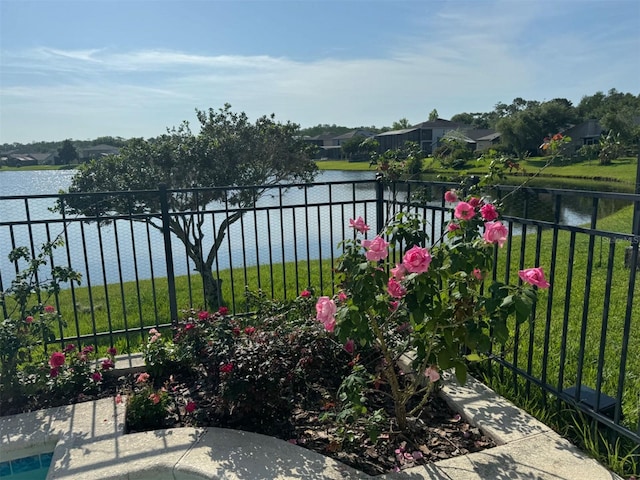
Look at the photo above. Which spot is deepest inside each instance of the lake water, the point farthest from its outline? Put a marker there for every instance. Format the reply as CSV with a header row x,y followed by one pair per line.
x,y
264,237
290,234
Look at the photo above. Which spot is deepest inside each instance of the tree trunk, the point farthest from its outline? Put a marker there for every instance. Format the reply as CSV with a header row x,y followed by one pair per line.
x,y
212,289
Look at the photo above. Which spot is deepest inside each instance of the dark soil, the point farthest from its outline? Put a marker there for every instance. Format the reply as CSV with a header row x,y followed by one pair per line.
x,y
439,433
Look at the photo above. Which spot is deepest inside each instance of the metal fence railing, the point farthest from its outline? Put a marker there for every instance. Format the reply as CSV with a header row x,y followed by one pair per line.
x,y
578,348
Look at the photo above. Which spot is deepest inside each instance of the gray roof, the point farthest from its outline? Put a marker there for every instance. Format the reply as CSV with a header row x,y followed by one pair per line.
x,y
440,122
398,132
354,133
491,136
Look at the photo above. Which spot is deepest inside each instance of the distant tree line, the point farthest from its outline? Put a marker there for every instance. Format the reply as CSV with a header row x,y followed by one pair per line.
x,y
522,123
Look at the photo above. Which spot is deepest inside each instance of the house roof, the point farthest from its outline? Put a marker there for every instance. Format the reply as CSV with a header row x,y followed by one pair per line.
x,y
586,129
397,132
439,123
42,156
478,133
354,133
322,136
491,136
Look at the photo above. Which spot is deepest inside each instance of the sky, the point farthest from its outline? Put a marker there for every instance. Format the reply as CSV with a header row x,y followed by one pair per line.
x,y
89,68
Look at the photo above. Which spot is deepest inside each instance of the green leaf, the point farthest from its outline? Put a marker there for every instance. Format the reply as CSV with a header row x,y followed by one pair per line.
x,y
461,372
473,357
507,302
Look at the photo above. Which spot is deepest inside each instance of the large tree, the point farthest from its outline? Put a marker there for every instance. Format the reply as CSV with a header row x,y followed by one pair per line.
x,y
67,154
229,151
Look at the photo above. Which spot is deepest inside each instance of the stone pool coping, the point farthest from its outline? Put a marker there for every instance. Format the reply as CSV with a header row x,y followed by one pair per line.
x,y
88,442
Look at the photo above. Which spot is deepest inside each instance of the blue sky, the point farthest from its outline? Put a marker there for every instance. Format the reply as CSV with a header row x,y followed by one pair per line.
x,y
87,68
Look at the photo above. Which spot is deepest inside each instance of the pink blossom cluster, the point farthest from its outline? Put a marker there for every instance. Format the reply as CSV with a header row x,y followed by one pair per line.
x,y
326,313
494,232
154,335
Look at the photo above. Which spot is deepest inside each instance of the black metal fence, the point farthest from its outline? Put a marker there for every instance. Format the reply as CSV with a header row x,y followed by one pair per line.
x,y
580,346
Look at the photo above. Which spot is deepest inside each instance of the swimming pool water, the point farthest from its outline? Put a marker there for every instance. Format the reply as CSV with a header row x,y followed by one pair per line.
x,y
34,467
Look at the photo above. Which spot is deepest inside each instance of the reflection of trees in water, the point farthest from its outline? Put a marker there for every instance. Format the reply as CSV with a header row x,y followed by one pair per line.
x,y
524,203
574,209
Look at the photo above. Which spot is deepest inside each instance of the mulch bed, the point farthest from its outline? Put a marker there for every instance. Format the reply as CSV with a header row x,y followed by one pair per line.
x,y
437,434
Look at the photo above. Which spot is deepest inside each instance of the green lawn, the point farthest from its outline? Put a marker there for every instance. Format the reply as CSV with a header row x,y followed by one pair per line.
x,y
551,324
343,165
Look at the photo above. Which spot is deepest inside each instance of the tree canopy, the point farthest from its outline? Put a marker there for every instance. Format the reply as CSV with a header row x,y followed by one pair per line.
x,y
67,154
228,151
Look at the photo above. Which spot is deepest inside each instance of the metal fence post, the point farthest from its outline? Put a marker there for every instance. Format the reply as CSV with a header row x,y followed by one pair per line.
x,y
168,253
380,220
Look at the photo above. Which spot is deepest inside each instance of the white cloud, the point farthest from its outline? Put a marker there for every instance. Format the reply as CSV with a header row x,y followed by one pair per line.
x,y
466,60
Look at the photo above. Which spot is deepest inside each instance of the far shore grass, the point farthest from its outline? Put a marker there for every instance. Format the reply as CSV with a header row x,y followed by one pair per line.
x,y
588,175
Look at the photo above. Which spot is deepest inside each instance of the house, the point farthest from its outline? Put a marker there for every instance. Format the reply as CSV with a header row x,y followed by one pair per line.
x,y
340,139
478,139
330,145
21,160
44,158
97,151
426,134
585,133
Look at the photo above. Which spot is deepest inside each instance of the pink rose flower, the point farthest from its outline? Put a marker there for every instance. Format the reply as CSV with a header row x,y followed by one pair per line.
x,y
143,377
534,276
450,196
155,398
29,319
57,359
189,326
305,294
376,249
203,315
396,290
350,346
478,273
249,330
112,351
96,376
108,364
223,311
89,349
489,212
495,232
69,348
393,305
359,225
416,259
190,407
432,374
399,271
53,373
452,227
342,296
325,313
474,202
464,211
153,331
49,309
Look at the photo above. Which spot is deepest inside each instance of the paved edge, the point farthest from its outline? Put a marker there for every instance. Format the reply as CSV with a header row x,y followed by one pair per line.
x,y
88,437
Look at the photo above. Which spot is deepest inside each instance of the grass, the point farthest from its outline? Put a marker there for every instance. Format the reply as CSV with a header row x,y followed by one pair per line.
x,y
344,165
36,167
586,175
140,306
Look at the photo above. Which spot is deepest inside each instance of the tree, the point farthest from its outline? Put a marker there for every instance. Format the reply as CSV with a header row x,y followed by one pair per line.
x,y
67,154
229,151
401,124
433,116
359,148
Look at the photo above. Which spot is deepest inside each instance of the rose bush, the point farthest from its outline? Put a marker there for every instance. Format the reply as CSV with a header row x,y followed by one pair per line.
x,y
437,308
